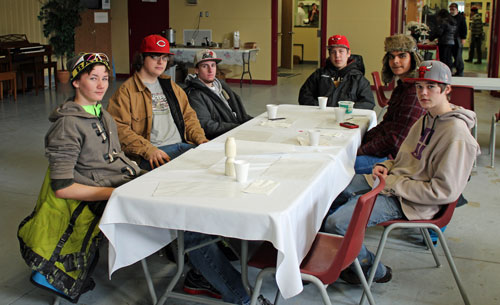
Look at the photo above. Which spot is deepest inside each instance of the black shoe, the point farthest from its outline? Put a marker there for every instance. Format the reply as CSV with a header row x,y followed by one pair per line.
x,y
477,63
263,301
468,60
352,278
195,283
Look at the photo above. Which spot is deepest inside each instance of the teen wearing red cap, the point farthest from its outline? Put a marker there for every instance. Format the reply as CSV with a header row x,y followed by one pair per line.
x,y
156,123
154,118
430,170
342,78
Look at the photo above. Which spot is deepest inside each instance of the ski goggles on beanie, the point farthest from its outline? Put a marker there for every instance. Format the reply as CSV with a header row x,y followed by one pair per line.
x,y
83,60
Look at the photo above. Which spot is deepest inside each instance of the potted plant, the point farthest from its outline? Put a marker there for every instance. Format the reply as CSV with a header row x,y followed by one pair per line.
x,y
60,18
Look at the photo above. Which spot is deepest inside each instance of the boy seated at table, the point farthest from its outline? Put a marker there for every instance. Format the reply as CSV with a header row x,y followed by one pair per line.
x,y
401,60
430,170
218,108
342,78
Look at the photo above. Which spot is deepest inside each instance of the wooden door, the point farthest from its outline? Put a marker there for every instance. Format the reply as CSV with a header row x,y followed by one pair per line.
x,y
94,37
145,18
287,34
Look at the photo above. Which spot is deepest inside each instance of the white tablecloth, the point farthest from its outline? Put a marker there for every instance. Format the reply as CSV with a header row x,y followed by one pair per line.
x,y
228,56
479,83
192,193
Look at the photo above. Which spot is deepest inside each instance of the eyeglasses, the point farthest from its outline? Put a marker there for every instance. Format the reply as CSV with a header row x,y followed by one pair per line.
x,y
157,57
92,57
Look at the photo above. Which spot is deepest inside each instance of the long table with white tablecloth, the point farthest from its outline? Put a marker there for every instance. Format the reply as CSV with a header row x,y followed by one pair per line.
x,y
192,193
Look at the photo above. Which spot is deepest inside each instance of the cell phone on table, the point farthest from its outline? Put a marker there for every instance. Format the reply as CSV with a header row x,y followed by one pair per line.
x,y
349,125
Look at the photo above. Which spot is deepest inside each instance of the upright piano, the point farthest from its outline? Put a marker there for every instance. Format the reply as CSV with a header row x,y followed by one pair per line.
x,y
24,55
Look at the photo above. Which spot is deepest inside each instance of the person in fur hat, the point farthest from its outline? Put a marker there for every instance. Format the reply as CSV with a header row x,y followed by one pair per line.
x,y
383,141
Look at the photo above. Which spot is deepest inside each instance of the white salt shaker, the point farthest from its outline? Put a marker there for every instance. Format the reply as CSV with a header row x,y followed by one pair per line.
x,y
230,155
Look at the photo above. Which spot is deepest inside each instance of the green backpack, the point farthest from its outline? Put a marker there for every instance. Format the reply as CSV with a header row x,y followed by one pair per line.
x,y
60,240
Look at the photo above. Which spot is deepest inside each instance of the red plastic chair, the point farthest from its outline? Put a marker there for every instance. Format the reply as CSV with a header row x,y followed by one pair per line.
x,y
464,96
442,219
379,90
493,132
429,47
329,254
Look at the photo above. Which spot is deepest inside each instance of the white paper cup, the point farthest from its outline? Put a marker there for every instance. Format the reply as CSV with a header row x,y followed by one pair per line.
x,y
348,105
241,168
322,100
314,137
272,111
340,114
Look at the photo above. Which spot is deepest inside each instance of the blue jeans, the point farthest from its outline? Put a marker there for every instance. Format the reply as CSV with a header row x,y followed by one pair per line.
x,y
172,150
364,164
385,208
216,268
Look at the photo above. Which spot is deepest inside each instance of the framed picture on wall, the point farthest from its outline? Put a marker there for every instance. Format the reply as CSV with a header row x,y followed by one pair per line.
x,y
307,13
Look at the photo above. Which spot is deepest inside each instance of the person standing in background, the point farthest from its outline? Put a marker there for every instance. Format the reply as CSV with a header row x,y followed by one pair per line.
x,y
476,36
314,15
444,31
460,36
301,14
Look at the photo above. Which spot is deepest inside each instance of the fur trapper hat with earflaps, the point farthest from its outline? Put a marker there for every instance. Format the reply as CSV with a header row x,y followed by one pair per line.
x,y
402,43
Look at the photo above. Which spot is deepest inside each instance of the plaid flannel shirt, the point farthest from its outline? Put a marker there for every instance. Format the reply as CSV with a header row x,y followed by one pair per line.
x,y
403,111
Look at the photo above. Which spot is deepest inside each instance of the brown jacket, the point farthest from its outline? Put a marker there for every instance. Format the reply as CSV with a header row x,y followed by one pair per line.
x,y
131,107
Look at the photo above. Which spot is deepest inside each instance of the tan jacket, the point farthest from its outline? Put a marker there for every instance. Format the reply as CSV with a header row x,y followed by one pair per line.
x,y
131,107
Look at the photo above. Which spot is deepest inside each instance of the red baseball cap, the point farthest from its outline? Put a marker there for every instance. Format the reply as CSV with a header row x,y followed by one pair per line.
x,y
338,41
155,44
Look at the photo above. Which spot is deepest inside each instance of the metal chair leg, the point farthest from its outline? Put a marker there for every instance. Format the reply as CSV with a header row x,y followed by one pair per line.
x,y
492,140
277,298
361,276
453,267
428,241
378,256
321,287
57,301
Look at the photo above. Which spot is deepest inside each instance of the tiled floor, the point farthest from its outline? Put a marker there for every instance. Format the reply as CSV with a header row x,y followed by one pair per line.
x,y
472,235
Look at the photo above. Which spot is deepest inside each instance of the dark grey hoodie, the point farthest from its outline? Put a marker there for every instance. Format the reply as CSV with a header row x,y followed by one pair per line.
x,y
85,148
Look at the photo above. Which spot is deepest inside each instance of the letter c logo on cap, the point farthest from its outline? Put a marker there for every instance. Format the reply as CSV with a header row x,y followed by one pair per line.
x,y
161,43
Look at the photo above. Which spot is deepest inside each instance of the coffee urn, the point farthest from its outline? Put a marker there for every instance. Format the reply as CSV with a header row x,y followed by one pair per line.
x,y
171,36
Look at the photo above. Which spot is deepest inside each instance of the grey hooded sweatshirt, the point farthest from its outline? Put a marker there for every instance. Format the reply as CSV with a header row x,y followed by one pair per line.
x,y
433,164
85,148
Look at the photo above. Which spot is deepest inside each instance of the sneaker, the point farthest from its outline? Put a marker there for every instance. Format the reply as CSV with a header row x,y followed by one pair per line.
x,y
195,283
263,301
352,278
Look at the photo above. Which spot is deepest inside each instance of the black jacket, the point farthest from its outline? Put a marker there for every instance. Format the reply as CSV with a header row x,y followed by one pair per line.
x,y
461,32
215,117
444,31
353,85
